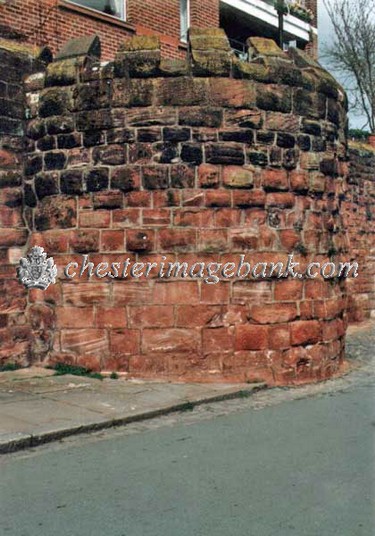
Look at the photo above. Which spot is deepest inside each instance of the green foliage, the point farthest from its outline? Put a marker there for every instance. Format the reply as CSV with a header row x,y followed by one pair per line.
x,y
189,406
62,368
114,376
7,367
295,9
358,134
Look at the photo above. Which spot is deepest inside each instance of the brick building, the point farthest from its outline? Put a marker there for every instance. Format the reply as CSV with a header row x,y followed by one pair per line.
x,y
52,22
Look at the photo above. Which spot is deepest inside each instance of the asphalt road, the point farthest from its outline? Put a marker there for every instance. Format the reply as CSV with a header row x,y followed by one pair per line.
x,y
283,463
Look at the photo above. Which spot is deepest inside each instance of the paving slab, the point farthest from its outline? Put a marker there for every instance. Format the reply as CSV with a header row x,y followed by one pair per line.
x,y
37,407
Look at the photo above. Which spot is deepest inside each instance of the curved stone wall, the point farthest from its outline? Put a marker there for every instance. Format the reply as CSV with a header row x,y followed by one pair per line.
x,y
191,161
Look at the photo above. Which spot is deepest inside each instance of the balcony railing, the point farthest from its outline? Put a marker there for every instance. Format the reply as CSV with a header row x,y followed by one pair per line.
x,y
240,49
264,10
296,9
301,2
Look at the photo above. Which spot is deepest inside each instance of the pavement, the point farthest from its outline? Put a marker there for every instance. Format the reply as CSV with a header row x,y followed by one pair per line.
x,y
37,407
284,461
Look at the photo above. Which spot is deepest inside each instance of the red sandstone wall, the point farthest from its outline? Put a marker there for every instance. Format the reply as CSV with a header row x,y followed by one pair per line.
x,y
15,332
195,162
359,213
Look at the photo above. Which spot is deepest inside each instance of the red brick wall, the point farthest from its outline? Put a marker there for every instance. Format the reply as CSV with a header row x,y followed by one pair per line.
x,y
313,5
48,22
51,22
204,14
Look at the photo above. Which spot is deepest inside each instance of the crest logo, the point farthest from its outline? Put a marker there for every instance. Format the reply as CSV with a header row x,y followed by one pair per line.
x,y
36,271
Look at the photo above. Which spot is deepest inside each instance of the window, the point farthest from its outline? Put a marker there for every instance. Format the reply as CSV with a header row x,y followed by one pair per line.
x,y
115,8
184,19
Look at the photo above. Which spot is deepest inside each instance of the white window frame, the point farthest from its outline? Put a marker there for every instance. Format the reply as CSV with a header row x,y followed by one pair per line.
x,y
184,30
122,18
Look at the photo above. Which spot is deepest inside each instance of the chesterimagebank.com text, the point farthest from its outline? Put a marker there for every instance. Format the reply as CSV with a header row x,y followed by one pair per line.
x,y
210,272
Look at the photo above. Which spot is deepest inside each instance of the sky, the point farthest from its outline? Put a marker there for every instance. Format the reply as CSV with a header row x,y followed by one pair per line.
x,y
325,36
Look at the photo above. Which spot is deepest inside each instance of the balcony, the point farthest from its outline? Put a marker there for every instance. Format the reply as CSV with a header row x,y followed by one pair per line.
x,y
244,18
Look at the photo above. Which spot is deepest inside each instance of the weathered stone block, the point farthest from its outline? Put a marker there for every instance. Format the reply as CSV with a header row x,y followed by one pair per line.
x,y
173,67
260,46
94,120
62,73
120,135
309,104
56,213
138,63
290,158
126,178
311,127
96,179
200,117
304,142
264,137
149,134
132,92
10,177
56,101
251,337
244,118
257,158
238,177
241,136
94,95
155,177
138,117
68,141
71,182
54,160
232,93
211,63
282,122
35,129
46,184
48,143
333,112
84,241
33,165
176,134
287,141
192,153
29,195
285,73
208,39
251,71
139,240
82,46
275,179
274,98
114,155
182,91
182,176
225,153
109,200
60,125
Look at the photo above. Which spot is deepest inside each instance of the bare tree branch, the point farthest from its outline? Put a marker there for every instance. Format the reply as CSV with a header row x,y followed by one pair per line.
x,y
352,52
